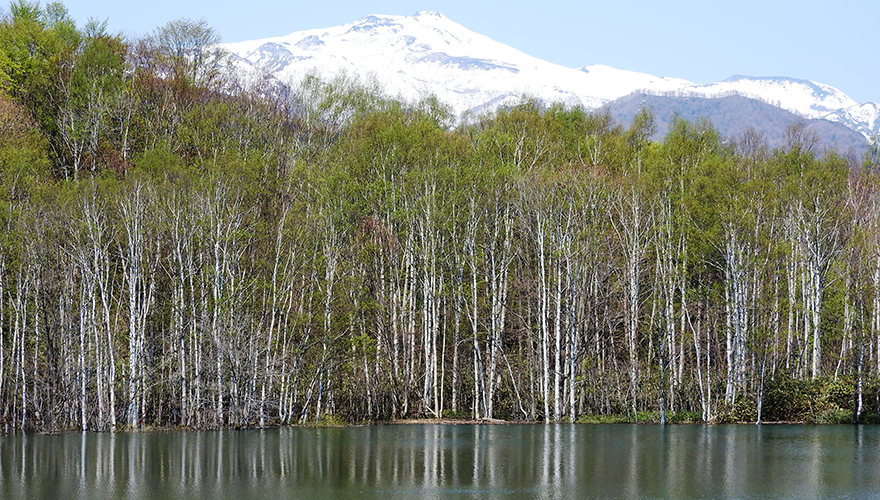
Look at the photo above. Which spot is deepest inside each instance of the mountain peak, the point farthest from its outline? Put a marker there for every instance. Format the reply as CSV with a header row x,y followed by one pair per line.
x,y
427,53
427,14
420,18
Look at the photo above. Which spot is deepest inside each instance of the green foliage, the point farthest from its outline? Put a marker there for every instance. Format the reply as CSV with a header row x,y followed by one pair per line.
x,y
642,417
23,152
744,410
456,415
604,419
35,42
317,249
158,163
822,400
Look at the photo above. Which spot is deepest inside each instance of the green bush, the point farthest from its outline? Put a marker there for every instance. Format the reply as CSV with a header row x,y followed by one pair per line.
x,y
821,400
603,419
456,415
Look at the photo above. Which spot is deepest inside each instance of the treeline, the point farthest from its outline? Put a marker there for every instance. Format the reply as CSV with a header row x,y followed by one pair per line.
x,y
184,246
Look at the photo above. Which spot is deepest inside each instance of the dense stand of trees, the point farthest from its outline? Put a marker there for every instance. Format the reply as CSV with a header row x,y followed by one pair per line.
x,y
185,247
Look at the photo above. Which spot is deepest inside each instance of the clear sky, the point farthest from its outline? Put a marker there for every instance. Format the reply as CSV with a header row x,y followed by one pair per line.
x,y
831,42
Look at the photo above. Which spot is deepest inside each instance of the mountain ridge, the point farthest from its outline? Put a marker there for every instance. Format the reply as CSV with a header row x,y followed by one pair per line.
x,y
428,54
734,115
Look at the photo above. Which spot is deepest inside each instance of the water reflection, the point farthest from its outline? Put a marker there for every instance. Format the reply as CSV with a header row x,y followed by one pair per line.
x,y
434,461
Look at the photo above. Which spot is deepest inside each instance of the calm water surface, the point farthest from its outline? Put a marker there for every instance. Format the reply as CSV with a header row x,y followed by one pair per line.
x,y
456,461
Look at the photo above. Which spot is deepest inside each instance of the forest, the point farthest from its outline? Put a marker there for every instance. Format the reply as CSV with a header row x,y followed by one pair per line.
x,y
184,245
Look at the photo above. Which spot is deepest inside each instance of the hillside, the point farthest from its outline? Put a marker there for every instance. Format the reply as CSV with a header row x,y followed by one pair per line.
x,y
733,115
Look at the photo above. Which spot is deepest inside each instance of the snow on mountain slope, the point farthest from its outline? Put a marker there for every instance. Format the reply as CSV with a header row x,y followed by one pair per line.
x,y
805,98
611,83
412,56
415,56
802,97
862,117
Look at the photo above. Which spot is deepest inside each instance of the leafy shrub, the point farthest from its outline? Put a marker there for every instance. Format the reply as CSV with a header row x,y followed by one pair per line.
x,y
821,400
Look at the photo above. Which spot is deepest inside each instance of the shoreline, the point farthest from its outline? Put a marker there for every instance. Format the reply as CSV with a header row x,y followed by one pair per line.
x,y
410,421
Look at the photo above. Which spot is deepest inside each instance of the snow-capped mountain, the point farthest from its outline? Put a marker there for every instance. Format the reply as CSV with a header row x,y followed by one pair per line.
x,y
414,56
863,117
802,97
424,54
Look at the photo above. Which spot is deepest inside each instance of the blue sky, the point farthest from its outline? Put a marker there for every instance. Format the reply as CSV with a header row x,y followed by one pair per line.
x,y
829,42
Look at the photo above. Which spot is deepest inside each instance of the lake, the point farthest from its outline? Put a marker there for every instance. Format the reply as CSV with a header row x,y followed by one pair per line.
x,y
450,461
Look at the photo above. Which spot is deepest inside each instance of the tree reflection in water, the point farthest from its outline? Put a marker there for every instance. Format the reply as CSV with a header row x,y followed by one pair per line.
x,y
449,461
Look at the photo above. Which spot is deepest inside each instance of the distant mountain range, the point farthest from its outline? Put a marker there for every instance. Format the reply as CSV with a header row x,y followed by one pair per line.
x,y
732,115
427,54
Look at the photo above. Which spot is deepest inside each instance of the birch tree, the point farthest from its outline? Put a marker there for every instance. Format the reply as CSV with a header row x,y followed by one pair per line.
x,y
139,253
